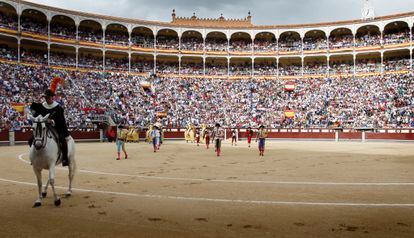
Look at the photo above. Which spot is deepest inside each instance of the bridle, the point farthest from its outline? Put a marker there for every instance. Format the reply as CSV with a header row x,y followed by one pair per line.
x,y
41,131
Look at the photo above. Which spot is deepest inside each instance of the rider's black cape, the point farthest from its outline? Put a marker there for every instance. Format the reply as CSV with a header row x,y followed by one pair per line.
x,y
56,114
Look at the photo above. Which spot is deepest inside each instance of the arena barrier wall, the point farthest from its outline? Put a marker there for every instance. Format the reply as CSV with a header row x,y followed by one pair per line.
x,y
4,136
294,134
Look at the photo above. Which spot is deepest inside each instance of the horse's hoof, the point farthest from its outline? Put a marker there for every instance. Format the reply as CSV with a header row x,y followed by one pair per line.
x,y
37,204
68,195
44,194
58,202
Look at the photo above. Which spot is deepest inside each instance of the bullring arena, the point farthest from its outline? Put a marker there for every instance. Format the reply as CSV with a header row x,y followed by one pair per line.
x,y
334,102
300,188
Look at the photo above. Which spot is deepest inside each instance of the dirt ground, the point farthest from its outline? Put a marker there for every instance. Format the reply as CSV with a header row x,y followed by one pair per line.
x,y
299,189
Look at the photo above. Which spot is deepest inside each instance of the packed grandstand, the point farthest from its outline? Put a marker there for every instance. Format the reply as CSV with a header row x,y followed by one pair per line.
x,y
349,74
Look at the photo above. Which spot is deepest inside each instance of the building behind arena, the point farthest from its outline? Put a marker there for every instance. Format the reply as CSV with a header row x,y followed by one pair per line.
x,y
355,73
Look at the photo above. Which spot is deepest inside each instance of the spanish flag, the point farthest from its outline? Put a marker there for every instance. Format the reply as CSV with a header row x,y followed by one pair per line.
x,y
290,86
289,114
19,107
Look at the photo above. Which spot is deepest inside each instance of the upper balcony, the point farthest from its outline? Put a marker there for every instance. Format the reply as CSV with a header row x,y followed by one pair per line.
x,y
208,37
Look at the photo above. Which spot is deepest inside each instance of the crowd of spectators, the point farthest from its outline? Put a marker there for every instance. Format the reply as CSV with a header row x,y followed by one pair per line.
x,y
90,35
193,44
65,32
379,101
116,39
397,38
368,40
142,41
8,21
262,45
192,68
340,42
314,44
290,45
290,70
213,44
31,25
265,69
167,43
60,59
240,45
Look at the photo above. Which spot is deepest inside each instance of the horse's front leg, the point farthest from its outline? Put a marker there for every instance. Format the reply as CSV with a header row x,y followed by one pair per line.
x,y
44,193
52,184
38,173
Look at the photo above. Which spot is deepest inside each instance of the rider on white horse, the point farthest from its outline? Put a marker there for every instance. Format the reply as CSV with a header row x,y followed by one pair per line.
x,y
57,115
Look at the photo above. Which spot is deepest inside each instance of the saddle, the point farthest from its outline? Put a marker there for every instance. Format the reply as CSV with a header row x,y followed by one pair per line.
x,y
55,137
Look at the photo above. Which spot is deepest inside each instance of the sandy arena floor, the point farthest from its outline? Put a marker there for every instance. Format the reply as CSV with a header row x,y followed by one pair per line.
x,y
299,189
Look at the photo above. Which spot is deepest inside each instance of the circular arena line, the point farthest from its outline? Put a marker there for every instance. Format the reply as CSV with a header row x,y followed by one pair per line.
x,y
223,200
20,157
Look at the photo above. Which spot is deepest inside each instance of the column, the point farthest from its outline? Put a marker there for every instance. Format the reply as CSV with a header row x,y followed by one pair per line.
x,y
48,30
303,63
103,59
228,67
18,50
204,64
129,61
328,66
48,54
252,74
77,57
354,64
179,64
19,28
382,63
77,31
155,64
277,67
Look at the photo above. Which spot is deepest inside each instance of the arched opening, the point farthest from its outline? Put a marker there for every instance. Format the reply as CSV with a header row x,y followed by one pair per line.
x,y
61,55
90,59
265,42
397,60
290,66
368,36
396,33
34,21
368,63
142,63
192,40
341,64
90,31
8,48
167,64
341,38
142,37
240,42
33,52
315,65
116,61
116,34
290,41
192,65
167,39
265,66
63,27
8,16
315,40
240,66
216,66
216,41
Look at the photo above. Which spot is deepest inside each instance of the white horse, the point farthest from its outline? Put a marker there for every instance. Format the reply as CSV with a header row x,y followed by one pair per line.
x,y
44,154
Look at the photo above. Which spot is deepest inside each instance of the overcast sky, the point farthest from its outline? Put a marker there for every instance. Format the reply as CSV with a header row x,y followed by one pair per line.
x,y
264,12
